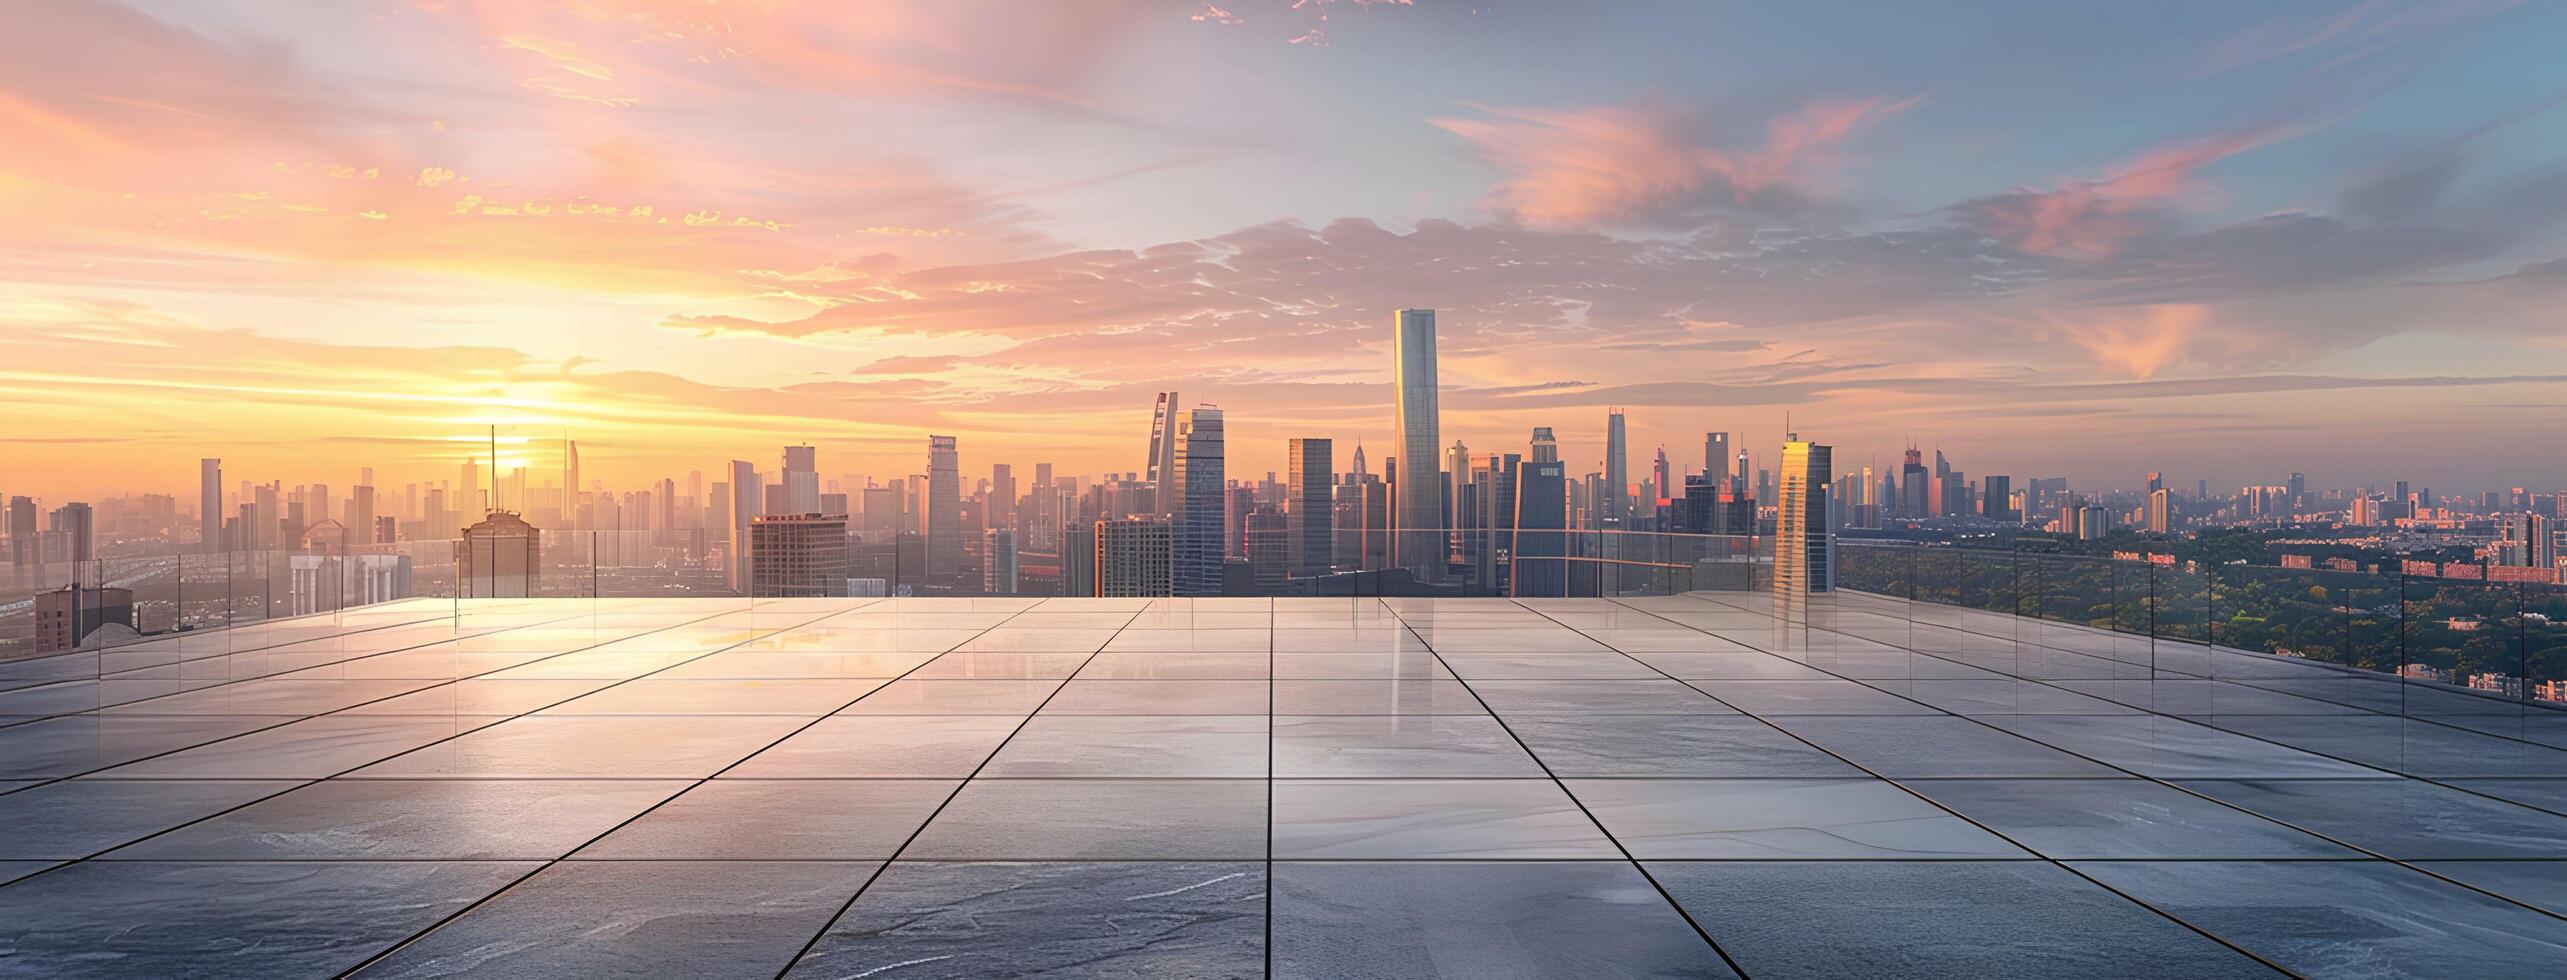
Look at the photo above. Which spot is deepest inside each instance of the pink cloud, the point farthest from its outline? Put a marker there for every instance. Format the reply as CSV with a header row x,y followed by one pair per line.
x,y
2090,219
1651,159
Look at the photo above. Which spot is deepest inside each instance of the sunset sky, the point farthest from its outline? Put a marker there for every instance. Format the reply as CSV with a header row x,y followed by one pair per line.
x,y
2222,240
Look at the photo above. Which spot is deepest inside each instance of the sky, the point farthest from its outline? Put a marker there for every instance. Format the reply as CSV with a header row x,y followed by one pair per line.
x,y
2223,241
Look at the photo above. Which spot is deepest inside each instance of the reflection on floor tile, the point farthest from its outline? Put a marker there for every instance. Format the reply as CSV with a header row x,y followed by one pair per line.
x,y
133,919
2367,918
1164,919
1939,919
1431,820
631,918
1779,819
1515,920
2120,818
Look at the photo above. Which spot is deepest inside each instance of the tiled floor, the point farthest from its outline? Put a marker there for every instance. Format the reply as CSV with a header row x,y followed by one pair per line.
x,y
1673,786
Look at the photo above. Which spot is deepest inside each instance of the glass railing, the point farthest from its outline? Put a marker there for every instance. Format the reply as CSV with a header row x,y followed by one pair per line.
x,y
156,596
2445,678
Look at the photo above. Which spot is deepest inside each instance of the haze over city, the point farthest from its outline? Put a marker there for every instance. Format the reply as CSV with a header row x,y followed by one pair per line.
x,y
2222,241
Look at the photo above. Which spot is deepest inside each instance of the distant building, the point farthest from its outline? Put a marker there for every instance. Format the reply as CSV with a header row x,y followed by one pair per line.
x,y
1804,546
1309,513
944,512
1201,528
1539,557
500,558
1997,499
799,555
1268,550
1133,557
2161,510
323,582
1160,471
1419,491
998,561
1078,560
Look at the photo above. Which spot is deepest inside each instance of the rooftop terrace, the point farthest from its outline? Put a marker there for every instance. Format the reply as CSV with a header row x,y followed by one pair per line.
x,y
1686,785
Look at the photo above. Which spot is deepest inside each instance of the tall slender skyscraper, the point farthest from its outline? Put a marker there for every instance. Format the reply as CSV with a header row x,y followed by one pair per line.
x,y
1200,533
1615,505
1804,545
944,512
746,505
1715,458
1457,471
1309,469
1420,491
1161,471
209,504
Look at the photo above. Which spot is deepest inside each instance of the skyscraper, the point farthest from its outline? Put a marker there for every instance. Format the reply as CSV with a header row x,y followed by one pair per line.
x,y
2161,509
1161,469
1998,499
1715,457
745,507
1200,538
1308,511
1420,491
24,547
1457,470
209,504
1000,514
1546,447
1615,504
801,481
944,512
1539,568
1804,547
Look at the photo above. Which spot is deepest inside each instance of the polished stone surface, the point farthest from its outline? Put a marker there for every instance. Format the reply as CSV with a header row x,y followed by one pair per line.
x,y
1942,919
1495,921
1165,919
1337,787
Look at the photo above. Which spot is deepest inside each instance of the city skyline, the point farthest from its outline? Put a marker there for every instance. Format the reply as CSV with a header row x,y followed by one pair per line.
x,y
669,233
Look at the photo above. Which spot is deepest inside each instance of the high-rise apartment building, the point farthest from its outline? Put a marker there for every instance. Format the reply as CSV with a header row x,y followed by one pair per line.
x,y
2161,509
1804,547
1132,557
998,561
1419,492
1201,526
944,512
799,555
1308,512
